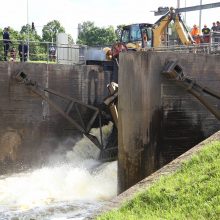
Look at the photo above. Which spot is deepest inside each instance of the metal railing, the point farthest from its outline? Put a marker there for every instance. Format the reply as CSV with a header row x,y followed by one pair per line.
x,y
79,54
42,52
48,52
212,47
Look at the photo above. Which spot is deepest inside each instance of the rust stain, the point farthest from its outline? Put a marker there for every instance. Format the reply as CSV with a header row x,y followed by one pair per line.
x,y
9,143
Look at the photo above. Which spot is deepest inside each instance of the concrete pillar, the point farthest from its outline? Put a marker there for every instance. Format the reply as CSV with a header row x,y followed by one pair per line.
x,y
158,119
139,107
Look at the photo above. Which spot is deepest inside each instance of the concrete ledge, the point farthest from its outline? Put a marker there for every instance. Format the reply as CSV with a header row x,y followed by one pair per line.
x,y
168,169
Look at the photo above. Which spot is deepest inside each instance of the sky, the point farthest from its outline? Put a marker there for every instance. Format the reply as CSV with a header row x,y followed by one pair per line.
x,y
103,13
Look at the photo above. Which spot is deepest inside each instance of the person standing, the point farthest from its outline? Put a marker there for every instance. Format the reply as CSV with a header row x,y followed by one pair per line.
x,y
13,54
218,26
23,51
6,43
214,32
218,31
195,32
213,28
52,53
206,34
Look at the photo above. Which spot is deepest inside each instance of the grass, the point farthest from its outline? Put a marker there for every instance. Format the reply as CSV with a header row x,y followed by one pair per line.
x,y
193,192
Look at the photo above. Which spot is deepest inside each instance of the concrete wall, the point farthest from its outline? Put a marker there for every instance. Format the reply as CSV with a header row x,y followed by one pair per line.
x,y
30,130
159,120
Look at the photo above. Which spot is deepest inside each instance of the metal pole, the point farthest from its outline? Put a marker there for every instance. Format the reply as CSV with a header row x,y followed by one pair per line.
x,y
200,16
178,3
185,12
28,30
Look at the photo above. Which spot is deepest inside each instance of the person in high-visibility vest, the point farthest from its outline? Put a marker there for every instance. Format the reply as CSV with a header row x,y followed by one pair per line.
x,y
195,32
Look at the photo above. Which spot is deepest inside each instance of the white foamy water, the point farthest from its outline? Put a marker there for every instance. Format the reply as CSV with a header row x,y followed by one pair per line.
x,y
72,189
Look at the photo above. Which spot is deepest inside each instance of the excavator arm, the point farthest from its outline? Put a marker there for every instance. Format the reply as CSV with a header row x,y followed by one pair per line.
x,y
162,24
159,28
184,35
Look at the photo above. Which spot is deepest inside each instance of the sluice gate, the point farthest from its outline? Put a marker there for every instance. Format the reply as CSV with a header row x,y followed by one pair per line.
x,y
30,129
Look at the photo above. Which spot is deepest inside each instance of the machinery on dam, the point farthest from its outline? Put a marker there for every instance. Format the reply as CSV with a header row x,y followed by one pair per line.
x,y
173,71
76,110
144,35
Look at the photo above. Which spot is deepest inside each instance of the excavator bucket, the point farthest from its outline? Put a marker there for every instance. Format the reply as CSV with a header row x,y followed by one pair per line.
x,y
172,70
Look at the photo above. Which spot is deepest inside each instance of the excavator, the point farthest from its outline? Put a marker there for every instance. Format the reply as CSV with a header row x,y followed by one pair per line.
x,y
143,36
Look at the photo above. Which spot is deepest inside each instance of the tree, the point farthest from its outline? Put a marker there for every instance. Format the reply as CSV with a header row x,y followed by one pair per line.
x,y
37,51
28,27
70,39
119,31
91,35
51,29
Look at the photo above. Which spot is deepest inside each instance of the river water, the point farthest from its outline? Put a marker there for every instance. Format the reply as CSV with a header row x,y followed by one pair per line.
x,y
73,186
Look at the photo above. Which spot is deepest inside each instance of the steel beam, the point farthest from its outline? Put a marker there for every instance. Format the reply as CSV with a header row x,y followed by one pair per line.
x,y
162,11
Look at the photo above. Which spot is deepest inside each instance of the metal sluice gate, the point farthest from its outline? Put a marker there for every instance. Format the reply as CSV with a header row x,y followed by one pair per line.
x,y
72,113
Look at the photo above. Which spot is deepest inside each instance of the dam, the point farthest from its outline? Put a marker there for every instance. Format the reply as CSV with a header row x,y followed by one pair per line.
x,y
158,119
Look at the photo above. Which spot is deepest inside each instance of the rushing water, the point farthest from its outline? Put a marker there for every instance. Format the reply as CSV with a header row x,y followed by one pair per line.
x,y
72,188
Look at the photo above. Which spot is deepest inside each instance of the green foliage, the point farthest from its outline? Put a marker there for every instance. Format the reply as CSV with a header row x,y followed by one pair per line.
x,y
118,31
37,50
70,39
191,193
50,31
91,35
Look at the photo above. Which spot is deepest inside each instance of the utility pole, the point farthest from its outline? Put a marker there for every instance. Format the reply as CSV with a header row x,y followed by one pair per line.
x,y
28,30
200,16
178,3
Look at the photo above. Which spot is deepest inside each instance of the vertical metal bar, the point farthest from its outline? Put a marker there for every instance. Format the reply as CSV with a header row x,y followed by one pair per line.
x,y
200,16
28,30
47,52
80,117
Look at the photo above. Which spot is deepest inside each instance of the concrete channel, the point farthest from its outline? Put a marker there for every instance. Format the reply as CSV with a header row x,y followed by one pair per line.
x,y
158,119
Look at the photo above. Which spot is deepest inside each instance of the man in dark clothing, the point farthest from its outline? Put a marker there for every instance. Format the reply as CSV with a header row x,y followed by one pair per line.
x,y
214,27
206,34
218,26
23,51
214,35
6,42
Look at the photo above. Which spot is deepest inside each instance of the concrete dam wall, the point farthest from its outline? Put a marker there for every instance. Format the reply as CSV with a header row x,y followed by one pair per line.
x,y
30,130
158,119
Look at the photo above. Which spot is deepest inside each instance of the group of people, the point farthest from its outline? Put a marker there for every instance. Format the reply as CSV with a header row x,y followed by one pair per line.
x,y
9,48
204,37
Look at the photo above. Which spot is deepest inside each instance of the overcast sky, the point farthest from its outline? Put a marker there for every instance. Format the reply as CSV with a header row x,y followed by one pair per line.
x,y
16,13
